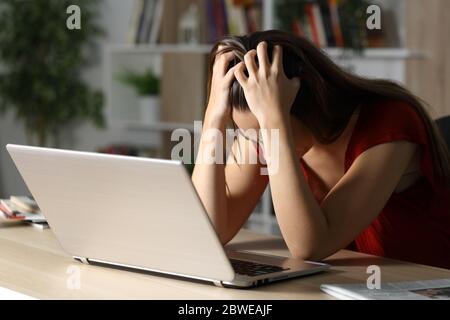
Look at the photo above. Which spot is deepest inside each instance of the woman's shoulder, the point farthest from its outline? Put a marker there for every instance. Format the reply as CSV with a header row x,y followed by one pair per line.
x,y
384,122
393,115
392,120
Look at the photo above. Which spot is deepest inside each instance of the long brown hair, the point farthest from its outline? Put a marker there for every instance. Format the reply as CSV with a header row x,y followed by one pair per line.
x,y
329,95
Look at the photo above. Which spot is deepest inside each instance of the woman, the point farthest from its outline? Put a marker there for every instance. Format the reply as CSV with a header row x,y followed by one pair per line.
x,y
358,164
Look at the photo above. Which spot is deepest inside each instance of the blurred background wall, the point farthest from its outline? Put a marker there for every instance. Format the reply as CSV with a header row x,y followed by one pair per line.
x,y
428,31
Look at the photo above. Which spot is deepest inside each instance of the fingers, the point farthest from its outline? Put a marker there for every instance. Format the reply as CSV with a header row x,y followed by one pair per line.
x,y
240,74
229,76
250,62
277,64
222,62
263,58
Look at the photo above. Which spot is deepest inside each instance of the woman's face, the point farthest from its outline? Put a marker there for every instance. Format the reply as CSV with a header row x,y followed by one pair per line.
x,y
246,124
245,120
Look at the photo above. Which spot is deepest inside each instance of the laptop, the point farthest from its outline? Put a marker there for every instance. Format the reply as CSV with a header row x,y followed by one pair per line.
x,y
140,214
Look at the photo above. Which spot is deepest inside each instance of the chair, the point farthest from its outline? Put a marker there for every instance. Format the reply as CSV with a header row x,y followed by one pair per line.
x,y
444,125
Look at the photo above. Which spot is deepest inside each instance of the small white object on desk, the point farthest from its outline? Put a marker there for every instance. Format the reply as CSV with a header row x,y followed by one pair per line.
x,y
10,211
41,225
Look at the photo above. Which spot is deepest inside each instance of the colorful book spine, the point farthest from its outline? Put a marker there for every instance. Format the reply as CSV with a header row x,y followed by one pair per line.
x,y
220,17
326,18
149,16
140,35
297,28
250,17
335,23
212,29
231,17
156,22
319,25
241,22
133,30
312,23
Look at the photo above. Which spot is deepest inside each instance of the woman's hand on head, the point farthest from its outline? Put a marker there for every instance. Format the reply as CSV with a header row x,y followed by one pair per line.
x,y
218,108
269,93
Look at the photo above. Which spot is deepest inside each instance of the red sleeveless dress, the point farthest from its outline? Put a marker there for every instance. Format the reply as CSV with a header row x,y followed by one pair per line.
x,y
414,225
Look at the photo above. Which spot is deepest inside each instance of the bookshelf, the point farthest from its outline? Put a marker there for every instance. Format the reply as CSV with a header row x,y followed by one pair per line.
x,y
183,98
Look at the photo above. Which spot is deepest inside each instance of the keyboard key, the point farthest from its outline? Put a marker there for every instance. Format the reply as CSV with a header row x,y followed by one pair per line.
x,y
252,268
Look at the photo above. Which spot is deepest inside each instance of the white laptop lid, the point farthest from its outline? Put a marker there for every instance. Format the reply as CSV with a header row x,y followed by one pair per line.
x,y
124,210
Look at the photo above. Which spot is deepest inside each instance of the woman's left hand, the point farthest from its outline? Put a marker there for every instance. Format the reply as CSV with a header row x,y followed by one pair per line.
x,y
269,93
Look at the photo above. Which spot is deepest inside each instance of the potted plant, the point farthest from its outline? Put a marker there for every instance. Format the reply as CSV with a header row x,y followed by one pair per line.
x,y
41,63
147,87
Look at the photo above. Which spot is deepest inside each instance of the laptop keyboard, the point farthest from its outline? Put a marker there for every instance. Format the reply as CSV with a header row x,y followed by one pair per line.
x,y
252,269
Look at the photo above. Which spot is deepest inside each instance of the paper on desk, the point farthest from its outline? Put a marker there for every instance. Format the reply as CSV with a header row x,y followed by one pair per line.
x,y
437,289
6,294
23,218
7,205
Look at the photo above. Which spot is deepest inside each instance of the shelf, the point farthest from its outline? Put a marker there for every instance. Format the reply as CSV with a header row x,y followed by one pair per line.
x,y
369,53
374,53
160,48
161,126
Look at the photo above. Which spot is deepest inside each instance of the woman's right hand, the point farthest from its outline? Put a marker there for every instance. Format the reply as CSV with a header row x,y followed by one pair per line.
x,y
218,109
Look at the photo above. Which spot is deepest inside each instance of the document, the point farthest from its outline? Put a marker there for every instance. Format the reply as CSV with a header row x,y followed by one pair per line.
x,y
413,290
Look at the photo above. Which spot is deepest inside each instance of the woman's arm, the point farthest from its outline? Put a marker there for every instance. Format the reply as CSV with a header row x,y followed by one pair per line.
x,y
228,192
209,178
314,231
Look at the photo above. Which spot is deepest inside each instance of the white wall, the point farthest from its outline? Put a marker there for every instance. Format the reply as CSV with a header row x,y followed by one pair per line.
x,y
115,15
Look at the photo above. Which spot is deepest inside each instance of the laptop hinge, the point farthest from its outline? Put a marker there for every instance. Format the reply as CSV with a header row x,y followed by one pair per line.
x,y
82,260
218,284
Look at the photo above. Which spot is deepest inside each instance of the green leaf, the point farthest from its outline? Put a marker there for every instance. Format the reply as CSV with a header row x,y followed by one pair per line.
x,y
146,83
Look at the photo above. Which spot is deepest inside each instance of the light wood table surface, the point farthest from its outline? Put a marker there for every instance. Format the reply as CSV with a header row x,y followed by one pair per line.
x,y
33,263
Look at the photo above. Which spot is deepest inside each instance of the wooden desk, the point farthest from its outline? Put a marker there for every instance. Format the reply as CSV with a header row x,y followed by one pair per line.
x,y
32,262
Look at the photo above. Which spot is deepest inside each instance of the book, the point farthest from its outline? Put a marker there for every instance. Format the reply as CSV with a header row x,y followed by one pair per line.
x,y
148,20
213,33
309,9
317,13
307,30
10,212
220,18
438,289
7,216
156,22
326,19
7,207
134,21
140,29
297,28
24,203
335,23
236,15
253,16
230,10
